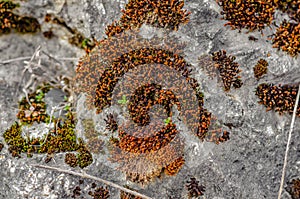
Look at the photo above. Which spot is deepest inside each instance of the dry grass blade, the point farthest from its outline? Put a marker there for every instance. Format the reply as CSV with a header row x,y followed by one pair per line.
x,y
288,144
84,175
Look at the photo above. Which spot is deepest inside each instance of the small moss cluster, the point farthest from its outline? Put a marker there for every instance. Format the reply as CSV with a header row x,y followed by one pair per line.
x,y
194,189
252,15
35,111
70,159
260,69
94,191
294,188
287,38
111,123
84,157
60,139
281,98
9,20
174,167
218,136
125,195
100,193
164,14
228,69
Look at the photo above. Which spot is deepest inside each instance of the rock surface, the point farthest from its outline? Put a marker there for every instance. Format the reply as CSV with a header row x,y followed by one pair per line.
x,y
247,166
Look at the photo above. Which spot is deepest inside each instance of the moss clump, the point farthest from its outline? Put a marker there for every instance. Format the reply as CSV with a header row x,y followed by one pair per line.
x,y
174,167
163,14
13,137
10,20
111,123
100,193
282,98
60,139
252,15
71,160
294,188
35,111
228,69
194,189
84,157
287,38
260,69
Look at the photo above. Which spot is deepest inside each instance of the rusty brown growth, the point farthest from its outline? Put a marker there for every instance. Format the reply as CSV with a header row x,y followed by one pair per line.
x,y
12,21
194,189
163,14
71,160
228,69
294,188
251,15
260,69
287,38
281,98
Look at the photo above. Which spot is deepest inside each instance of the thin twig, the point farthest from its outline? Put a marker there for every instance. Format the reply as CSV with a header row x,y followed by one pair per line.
x,y
288,144
85,175
14,60
28,58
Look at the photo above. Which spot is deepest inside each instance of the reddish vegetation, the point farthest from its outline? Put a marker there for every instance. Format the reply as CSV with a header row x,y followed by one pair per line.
x,y
280,98
260,69
252,15
163,14
228,69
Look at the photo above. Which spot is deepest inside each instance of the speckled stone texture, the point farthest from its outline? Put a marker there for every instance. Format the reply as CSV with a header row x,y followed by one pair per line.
x,y
248,166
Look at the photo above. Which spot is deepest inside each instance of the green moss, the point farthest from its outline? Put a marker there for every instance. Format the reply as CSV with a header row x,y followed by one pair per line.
x,y
60,139
14,139
37,112
84,157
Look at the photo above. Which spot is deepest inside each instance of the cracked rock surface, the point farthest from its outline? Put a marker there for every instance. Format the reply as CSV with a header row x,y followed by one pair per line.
x,y
247,166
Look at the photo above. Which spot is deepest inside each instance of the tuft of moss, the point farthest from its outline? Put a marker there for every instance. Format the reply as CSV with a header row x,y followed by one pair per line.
x,y
282,98
100,193
163,14
9,20
37,112
261,68
294,188
228,69
60,139
15,141
71,160
84,157
194,189
287,38
252,15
